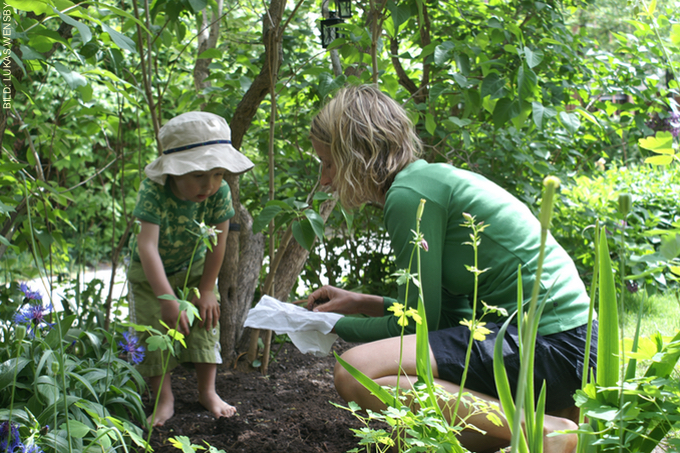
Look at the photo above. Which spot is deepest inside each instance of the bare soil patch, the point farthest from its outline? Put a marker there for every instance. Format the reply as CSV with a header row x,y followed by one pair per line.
x,y
287,411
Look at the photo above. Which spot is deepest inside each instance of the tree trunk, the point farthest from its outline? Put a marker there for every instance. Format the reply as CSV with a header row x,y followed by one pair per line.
x,y
294,258
238,280
240,272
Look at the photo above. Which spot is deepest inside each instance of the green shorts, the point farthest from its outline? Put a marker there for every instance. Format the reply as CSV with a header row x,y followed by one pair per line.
x,y
203,346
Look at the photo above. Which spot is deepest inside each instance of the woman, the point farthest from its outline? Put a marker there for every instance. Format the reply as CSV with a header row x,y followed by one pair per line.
x,y
368,150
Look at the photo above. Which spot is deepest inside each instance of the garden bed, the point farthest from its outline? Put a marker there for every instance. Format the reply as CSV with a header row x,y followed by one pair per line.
x,y
287,411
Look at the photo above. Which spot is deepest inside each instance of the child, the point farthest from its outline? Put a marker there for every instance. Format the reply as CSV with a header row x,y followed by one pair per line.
x,y
185,187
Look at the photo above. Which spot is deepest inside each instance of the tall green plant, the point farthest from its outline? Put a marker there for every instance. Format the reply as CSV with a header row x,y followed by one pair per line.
x,y
522,410
430,416
627,413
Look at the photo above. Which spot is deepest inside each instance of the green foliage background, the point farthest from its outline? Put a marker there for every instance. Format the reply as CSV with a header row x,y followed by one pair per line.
x,y
514,90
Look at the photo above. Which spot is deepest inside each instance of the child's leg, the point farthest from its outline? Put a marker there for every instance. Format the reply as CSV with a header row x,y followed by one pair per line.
x,y
208,397
166,402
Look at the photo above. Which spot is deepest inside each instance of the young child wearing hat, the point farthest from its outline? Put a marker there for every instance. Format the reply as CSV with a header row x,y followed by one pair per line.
x,y
184,188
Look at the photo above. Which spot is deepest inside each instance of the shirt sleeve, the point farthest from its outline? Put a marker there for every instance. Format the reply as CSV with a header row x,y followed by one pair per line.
x,y
400,221
148,207
222,206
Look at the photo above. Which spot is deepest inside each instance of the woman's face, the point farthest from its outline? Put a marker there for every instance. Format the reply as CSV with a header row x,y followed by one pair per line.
x,y
327,167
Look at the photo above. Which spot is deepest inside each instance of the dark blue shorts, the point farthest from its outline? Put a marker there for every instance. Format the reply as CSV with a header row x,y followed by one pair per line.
x,y
558,360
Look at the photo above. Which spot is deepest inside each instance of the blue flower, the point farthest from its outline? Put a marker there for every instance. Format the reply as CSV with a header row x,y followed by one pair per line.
x,y
131,346
32,295
10,436
33,316
33,448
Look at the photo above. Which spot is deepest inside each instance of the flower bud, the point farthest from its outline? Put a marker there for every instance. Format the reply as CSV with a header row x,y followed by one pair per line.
x,y
625,203
421,208
551,184
55,367
20,332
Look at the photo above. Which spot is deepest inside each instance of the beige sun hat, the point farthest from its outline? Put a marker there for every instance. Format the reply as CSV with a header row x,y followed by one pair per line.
x,y
196,141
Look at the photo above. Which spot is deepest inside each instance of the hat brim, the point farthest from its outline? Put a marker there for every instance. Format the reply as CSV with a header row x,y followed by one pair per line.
x,y
203,158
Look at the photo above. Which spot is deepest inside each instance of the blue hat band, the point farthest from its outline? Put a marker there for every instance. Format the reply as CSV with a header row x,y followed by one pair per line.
x,y
196,145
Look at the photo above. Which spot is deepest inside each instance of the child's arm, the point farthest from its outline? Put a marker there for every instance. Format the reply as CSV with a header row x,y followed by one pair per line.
x,y
147,244
208,306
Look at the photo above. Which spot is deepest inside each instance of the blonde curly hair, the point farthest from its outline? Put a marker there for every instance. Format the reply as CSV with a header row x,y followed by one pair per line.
x,y
371,139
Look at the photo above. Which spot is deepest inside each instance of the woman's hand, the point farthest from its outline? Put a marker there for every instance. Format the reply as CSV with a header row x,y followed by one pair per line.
x,y
336,300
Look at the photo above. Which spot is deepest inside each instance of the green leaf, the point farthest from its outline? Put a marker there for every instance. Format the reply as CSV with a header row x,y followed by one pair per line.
x,y
608,334
400,14
659,160
463,62
7,370
304,233
539,112
83,29
442,53
328,84
321,196
460,122
460,80
210,53
37,6
76,428
589,116
493,85
120,39
651,8
533,58
266,216
660,143
28,53
349,218
156,342
670,246
184,443
570,121
526,83
370,385
437,90
665,362
72,78
316,221
430,123
505,110
675,34
198,5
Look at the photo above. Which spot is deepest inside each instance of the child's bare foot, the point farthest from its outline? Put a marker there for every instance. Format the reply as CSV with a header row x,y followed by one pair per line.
x,y
166,400
164,411
215,404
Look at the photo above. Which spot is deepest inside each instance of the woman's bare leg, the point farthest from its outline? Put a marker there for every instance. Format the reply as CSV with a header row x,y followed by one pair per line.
x,y
380,361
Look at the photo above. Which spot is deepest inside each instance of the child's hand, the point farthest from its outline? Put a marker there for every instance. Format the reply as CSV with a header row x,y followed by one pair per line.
x,y
170,312
208,308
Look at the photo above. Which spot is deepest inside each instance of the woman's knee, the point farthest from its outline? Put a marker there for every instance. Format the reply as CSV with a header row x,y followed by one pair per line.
x,y
345,384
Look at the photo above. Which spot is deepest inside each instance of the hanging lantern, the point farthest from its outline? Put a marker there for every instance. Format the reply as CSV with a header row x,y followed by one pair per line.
x,y
329,32
344,8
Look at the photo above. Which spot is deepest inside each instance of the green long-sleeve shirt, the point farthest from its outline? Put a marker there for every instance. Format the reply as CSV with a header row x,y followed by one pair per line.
x,y
511,239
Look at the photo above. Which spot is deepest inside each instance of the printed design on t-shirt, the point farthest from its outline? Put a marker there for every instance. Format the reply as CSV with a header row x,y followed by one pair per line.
x,y
178,221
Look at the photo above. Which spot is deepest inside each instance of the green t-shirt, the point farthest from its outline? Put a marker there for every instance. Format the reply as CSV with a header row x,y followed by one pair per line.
x,y
177,221
511,239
